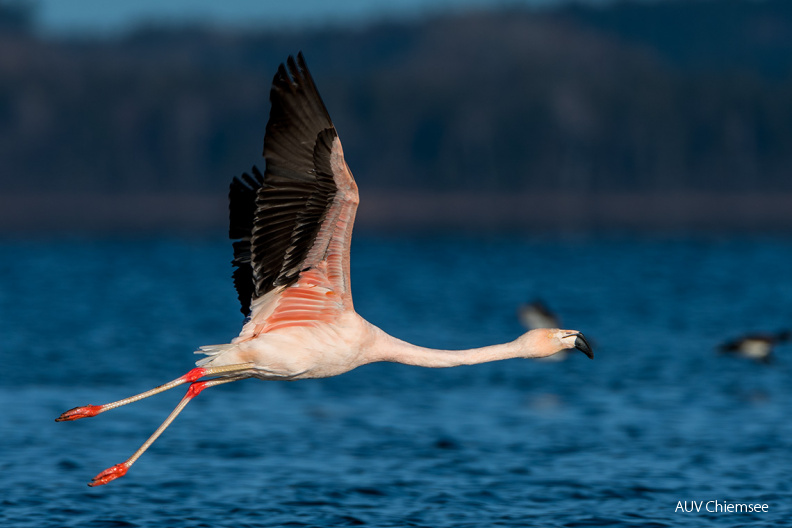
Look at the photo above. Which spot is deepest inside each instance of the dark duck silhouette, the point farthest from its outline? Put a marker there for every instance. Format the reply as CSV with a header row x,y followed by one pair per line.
x,y
759,347
537,315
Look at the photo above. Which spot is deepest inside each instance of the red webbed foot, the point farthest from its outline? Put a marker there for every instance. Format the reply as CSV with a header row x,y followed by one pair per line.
x,y
111,473
86,411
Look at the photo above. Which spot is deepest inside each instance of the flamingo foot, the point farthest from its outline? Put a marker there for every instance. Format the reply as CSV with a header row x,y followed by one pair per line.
x,y
86,411
111,473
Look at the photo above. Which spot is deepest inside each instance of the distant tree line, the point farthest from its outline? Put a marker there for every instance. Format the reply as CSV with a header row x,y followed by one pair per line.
x,y
16,16
584,99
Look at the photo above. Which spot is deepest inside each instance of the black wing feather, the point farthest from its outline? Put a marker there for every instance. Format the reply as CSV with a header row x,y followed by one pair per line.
x,y
275,218
242,210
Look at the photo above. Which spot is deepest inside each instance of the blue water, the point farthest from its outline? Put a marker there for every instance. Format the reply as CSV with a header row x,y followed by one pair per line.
x,y
658,417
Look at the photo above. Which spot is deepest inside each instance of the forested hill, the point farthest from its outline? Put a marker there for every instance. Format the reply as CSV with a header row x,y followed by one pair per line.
x,y
703,35
644,97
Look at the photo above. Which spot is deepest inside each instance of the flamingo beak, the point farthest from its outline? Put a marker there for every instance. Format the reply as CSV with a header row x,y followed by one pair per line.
x,y
583,345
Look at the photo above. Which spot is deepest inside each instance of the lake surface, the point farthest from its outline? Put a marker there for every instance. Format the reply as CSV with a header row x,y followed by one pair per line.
x,y
658,417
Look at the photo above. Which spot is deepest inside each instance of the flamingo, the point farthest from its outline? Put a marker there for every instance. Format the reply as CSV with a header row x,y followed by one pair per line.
x,y
291,228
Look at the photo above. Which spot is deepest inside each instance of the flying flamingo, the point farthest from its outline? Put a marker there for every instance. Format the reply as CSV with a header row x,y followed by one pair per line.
x,y
292,227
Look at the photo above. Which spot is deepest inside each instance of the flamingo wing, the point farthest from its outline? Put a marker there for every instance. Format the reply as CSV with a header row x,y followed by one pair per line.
x,y
298,215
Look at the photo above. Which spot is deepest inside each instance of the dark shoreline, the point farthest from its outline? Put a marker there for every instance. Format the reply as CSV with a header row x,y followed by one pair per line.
x,y
381,210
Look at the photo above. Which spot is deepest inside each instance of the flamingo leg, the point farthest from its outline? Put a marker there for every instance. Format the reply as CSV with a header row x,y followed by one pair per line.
x,y
119,470
87,411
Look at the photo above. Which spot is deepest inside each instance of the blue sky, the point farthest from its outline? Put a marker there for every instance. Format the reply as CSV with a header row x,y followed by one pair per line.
x,y
111,16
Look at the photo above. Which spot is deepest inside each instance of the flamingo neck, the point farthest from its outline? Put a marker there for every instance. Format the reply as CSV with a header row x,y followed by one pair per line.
x,y
389,348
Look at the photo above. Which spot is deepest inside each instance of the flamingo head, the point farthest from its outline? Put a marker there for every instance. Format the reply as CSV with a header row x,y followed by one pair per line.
x,y
544,342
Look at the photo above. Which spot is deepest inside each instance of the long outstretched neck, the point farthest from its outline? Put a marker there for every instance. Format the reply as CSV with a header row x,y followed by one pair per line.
x,y
388,348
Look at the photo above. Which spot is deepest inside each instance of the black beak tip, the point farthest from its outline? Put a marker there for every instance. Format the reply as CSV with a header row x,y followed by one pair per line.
x,y
583,345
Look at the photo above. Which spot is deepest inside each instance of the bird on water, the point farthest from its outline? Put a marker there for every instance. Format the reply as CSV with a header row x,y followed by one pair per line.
x,y
758,347
291,228
536,314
